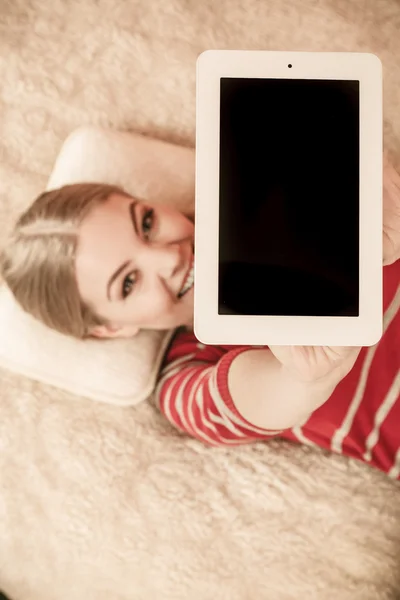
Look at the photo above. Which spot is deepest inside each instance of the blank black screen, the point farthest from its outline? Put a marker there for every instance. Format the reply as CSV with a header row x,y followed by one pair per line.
x,y
289,197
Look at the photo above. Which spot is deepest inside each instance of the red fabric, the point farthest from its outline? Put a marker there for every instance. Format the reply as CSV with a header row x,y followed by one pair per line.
x,y
361,418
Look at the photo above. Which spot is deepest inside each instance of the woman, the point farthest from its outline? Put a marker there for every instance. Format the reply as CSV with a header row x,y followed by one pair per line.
x,y
90,260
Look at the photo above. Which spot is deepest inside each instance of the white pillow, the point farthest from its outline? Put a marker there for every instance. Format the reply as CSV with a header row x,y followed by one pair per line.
x,y
122,371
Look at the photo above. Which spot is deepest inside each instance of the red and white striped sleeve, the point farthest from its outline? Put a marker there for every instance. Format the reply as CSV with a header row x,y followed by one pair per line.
x,y
193,394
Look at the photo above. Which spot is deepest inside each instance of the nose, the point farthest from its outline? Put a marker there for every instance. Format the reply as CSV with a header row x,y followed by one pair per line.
x,y
165,260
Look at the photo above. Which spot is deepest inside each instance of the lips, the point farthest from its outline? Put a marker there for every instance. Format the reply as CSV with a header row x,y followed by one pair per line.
x,y
189,279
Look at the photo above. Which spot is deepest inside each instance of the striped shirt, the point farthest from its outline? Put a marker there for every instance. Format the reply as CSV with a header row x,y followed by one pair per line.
x,y
361,419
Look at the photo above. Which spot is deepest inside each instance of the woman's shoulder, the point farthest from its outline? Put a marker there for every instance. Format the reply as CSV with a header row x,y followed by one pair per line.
x,y
184,344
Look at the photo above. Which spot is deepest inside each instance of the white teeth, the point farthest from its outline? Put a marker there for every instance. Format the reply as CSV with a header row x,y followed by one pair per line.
x,y
188,282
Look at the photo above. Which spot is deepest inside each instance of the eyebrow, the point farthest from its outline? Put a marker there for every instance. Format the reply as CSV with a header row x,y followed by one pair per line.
x,y
120,269
132,213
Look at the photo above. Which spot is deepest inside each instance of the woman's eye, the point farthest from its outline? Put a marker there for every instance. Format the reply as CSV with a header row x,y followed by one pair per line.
x,y
148,222
128,284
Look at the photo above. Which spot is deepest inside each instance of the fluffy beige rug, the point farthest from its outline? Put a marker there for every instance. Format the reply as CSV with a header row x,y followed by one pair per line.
x,y
101,503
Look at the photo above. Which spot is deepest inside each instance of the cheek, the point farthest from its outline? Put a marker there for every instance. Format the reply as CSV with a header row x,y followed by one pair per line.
x,y
152,308
158,311
176,224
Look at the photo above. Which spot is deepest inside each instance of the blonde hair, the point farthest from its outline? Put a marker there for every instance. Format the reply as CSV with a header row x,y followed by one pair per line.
x,y
38,262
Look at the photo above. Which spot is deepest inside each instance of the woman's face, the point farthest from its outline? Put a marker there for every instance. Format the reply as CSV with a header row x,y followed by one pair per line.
x,y
134,266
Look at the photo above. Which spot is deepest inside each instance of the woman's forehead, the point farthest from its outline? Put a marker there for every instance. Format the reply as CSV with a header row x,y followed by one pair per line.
x,y
105,235
115,208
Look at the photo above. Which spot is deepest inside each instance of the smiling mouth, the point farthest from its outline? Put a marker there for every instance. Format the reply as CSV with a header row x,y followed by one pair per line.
x,y
189,280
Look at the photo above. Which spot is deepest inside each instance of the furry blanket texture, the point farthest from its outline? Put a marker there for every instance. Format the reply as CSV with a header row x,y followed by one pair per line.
x,y
106,503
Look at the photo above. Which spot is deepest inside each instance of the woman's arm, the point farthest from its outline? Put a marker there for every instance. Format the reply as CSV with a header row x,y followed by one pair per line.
x,y
280,395
242,395
249,394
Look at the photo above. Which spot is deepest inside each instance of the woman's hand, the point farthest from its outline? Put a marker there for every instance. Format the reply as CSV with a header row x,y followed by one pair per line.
x,y
313,363
310,364
391,212
279,388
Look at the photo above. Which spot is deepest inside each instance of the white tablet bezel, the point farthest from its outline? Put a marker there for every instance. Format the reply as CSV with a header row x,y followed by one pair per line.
x,y
209,326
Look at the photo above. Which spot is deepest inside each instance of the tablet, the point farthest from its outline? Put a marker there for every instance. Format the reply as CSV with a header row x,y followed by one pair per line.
x,y
288,242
